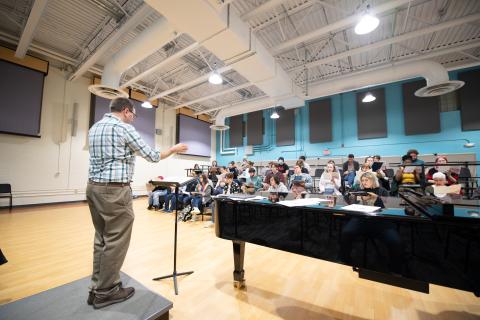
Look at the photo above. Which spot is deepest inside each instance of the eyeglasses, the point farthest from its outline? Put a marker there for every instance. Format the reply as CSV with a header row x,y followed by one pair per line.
x,y
134,113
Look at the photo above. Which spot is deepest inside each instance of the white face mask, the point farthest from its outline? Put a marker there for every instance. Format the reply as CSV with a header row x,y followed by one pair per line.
x,y
280,161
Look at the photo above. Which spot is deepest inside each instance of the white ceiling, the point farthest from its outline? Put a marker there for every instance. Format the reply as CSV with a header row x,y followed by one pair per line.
x,y
71,31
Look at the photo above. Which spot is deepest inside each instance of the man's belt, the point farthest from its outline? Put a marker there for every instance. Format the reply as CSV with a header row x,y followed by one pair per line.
x,y
109,184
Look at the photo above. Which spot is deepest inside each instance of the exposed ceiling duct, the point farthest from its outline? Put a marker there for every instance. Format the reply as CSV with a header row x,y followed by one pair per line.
x,y
246,55
434,73
150,40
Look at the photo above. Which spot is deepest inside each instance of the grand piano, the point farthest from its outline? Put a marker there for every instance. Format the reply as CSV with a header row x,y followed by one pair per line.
x,y
440,238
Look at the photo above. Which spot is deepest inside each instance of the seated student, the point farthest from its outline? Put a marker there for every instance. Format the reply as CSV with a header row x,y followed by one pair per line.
x,y
276,185
379,172
232,168
155,197
171,200
220,181
282,167
230,186
305,164
413,153
440,162
253,182
439,185
301,164
407,174
384,231
330,179
363,169
381,176
213,171
350,168
299,182
273,172
202,197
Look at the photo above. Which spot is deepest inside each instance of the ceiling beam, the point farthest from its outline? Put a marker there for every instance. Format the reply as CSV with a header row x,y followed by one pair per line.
x,y
386,42
161,64
213,95
336,26
188,84
266,7
30,28
138,16
228,105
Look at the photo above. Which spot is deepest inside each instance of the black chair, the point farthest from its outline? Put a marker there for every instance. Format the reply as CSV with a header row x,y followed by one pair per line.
x,y
316,176
389,173
6,192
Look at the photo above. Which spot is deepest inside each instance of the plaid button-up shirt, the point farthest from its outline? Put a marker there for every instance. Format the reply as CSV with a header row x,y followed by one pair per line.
x,y
112,146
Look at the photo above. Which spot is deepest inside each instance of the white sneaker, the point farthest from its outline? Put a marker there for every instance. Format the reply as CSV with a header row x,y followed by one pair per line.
x,y
195,210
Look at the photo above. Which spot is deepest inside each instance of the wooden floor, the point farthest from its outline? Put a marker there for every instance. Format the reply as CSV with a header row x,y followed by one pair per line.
x,y
48,246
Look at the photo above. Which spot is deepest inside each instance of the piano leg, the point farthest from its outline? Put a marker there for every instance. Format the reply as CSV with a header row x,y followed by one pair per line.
x,y
238,255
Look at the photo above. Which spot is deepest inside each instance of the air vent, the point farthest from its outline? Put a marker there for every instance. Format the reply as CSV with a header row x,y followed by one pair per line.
x,y
106,91
439,89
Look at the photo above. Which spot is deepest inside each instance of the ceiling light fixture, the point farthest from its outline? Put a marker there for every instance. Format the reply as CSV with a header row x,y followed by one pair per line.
x,y
275,114
147,105
469,144
368,98
367,23
215,77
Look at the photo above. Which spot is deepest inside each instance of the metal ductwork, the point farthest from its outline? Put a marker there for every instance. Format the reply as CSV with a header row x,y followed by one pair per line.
x,y
434,73
143,45
244,53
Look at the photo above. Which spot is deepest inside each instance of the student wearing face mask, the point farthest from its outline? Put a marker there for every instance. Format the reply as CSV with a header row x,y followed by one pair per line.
x,y
282,166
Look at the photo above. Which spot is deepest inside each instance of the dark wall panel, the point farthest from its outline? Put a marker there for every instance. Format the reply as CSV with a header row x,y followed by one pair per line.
x,y
421,115
144,123
196,134
470,100
236,131
255,128
320,121
285,127
371,116
21,104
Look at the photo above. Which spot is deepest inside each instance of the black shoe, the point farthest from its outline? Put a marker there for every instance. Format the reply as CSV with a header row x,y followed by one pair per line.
x,y
91,296
121,295
149,207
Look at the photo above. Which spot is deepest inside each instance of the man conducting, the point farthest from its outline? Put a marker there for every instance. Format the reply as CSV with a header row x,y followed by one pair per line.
x,y
113,143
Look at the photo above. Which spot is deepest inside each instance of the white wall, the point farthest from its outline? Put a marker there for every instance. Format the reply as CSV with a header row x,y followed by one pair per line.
x,y
54,168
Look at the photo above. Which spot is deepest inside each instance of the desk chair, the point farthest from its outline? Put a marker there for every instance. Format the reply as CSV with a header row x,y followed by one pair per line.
x,y
6,192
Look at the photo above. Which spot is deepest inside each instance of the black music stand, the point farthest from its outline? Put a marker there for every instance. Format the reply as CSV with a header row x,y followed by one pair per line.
x,y
165,183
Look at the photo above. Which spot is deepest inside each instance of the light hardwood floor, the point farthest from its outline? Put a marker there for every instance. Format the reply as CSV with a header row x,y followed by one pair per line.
x,y
48,246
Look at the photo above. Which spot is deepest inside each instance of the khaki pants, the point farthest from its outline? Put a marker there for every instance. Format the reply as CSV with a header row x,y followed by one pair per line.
x,y
112,217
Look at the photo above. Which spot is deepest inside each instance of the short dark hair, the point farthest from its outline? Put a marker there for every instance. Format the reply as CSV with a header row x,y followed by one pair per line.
x,y
119,104
377,156
281,158
251,170
351,155
302,157
412,151
407,157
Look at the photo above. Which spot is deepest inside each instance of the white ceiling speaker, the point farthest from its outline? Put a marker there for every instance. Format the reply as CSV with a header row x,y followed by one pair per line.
x,y
219,127
439,89
107,92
